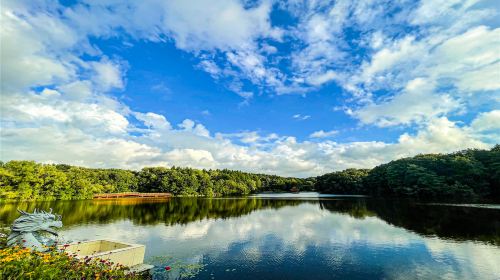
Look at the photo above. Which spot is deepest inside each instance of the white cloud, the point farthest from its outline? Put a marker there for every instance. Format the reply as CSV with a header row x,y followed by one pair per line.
x,y
249,137
444,70
235,40
487,121
192,145
225,25
107,75
266,48
34,109
153,120
320,79
400,55
485,78
487,126
224,32
210,67
24,46
79,90
73,146
439,136
449,12
323,134
190,158
245,94
191,126
416,103
199,25
471,59
301,117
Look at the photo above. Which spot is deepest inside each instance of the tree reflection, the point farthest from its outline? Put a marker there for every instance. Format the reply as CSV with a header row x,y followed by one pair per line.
x,y
458,223
144,212
451,222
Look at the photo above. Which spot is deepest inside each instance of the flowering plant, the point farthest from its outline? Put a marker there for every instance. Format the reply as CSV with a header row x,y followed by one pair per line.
x,y
23,263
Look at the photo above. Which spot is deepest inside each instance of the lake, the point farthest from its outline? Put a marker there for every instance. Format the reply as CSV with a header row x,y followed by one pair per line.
x,y
292,236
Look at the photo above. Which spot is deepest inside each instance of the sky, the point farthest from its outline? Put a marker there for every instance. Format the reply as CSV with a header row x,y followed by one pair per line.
x,y
293,88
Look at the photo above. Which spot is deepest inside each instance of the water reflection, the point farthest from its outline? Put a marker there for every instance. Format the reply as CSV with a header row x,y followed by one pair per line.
x,y
450,222
340,238
453,222
144,212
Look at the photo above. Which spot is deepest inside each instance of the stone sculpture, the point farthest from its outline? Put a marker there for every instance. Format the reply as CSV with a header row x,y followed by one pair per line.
x,y
35,230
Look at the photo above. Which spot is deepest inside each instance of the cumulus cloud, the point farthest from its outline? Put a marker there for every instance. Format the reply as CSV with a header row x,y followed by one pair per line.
x,y
153,120
165,146
24,46
323,134
107,75
417,102
223,25
487,126
487,121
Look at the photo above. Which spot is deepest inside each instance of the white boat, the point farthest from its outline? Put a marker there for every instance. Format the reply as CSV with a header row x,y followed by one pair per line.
x,y
117,252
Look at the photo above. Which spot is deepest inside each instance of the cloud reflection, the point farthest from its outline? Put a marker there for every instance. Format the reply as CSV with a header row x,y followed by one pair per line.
x,y
337,241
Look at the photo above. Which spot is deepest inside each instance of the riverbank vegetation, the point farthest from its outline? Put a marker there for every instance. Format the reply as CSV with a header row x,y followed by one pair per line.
x,y
468,173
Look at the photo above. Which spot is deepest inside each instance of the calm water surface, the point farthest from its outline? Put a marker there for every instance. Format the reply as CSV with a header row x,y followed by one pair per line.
x,y
292,236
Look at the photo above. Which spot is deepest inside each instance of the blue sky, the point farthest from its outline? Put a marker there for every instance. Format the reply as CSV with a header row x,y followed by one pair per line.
x,y
295,88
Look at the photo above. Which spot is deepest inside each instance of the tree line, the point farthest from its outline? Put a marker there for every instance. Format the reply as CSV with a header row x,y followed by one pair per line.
x,y
28,180
464,174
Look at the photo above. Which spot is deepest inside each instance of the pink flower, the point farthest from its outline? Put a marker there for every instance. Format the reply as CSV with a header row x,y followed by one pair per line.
x,y
168,268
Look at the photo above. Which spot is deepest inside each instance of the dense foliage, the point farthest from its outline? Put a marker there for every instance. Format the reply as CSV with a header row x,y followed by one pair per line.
x,y
27,180
349,181
469,173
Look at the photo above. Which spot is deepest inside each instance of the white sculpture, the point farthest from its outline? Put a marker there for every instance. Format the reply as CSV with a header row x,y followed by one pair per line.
x,y
30,230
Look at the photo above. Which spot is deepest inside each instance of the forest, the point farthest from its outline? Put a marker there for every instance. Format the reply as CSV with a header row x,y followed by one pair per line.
x,y
464,174
28,180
